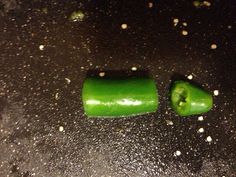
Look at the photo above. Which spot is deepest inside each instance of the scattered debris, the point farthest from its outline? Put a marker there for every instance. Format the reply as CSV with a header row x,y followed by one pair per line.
x,y
150,5
57,96
102,74
200,130
190,77
216,92
177,153
68,81
169,122
200,118
213,46
134,68
61,129
209,139
184,24
41,47
175,21
199,4
124,26
206,3
184,32
77,16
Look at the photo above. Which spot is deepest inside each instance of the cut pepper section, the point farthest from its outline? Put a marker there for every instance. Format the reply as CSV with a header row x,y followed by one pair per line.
x,y
188,99
109,97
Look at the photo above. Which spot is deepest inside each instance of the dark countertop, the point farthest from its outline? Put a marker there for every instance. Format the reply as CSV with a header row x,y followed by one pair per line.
x,y
44,59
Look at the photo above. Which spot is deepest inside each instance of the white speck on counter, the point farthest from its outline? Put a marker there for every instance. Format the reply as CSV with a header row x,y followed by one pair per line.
x,y
207,3
216,92
61,129
184,32
169,122
57,96
41,47
150,4
175,21
229,26
209,139
81,67
177,153
200,118
184,24
134,68
102,74
67,80
200,130
190,77
124,26
213,46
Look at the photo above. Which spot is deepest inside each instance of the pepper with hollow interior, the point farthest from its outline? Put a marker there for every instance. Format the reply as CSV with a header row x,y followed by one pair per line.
x,y
188,99
117,97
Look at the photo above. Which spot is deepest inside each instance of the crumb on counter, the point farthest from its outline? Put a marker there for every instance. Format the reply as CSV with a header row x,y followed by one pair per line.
x,y
124,26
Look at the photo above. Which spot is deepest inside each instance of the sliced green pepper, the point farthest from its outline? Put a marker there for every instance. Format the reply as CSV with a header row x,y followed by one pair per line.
x,y
188,99
104,97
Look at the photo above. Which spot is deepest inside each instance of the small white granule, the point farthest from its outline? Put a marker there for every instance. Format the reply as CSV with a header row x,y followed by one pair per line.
x,y
200,118
150,4
184,32
200,130
209,139
190,77
67,80
61,129
213,46
134,68
41,47
175,21
169,122
57,96
185,24
216,92
102,74
207,3
177,153
124,26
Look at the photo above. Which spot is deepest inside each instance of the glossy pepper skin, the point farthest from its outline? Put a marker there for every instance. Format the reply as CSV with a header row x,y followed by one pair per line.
x,y
106,97
188,99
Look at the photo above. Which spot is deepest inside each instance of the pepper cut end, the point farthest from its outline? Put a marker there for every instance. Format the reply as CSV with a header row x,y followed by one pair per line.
x,y
179,99
188,99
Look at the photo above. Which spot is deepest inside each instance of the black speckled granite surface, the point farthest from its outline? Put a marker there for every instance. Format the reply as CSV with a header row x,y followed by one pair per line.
x,y
44,58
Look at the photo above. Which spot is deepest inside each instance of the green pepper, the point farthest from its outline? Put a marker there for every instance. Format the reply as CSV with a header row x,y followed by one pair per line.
x,y
117,97
188,99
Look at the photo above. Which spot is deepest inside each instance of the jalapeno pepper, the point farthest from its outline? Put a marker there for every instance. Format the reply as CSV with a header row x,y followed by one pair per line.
x,y
188,99
106,97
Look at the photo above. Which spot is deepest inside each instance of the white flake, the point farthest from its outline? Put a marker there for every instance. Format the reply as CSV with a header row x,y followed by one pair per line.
x,y
209,139
213,46
200,130
184,32
124,26
57,96
61,129
190,77
67,80
177,153
102,74
216,92
41,47
169,122
200,118
134,68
